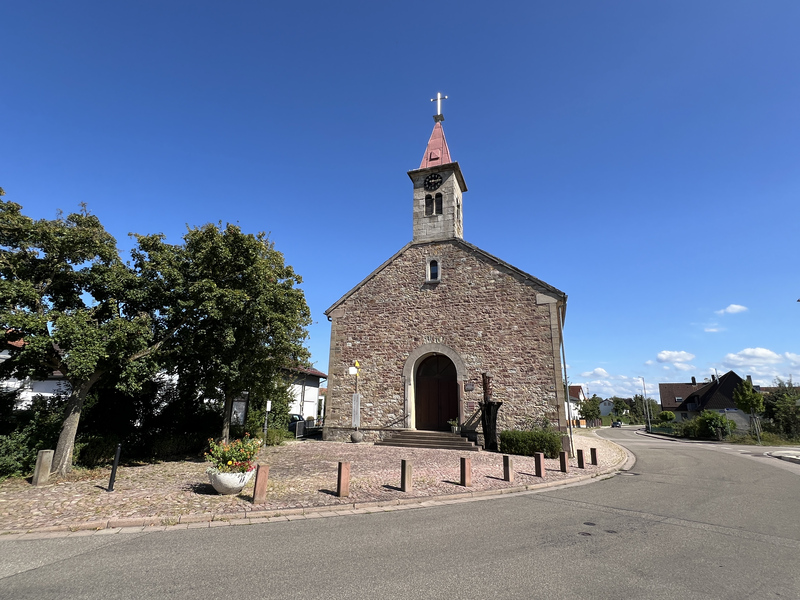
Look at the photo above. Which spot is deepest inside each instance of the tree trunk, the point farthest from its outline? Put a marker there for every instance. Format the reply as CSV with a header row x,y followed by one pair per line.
x,y
226,418
62,459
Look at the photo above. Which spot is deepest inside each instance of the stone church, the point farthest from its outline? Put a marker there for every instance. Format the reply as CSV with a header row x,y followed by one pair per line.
x,y
417,334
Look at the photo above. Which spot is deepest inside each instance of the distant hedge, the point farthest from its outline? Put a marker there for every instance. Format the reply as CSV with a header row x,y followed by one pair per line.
x,y
527,443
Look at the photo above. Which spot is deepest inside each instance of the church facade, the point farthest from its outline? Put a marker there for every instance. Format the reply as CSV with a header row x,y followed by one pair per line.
x,y
418,334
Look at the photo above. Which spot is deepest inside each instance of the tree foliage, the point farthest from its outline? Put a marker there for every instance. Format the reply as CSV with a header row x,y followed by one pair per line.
x,y
620,406
666,416
590,408
220,310
748,400
782,409
254,318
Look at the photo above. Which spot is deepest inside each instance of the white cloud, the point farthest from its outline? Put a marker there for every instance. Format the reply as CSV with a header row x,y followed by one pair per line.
x,y
674,356
598,372
684,367
752,357
794,359
712,329
649,362
731,309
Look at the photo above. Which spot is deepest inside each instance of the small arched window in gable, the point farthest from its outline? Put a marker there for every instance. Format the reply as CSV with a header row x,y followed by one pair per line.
x,y
434,272
428,205
438,204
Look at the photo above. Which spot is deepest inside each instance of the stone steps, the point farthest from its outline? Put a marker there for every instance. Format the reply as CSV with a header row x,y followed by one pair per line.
x,y
441,440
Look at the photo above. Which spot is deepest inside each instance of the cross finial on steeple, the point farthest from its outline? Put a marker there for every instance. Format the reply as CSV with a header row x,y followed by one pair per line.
x,y
438,116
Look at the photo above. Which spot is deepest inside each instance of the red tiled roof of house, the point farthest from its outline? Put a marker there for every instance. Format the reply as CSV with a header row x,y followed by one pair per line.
x,y
670,391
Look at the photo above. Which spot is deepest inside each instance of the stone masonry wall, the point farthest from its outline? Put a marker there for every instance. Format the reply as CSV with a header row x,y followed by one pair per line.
x,y
481,310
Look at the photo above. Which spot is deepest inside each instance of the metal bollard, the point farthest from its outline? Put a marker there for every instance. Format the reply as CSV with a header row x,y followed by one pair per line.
x,y
114,469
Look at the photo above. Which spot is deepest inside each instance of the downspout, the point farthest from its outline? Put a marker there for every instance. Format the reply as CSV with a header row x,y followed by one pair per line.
x,y
566,386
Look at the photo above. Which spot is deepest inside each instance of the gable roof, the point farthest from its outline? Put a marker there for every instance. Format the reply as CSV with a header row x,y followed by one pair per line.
x,y
576,391
670,391
715,395
489,258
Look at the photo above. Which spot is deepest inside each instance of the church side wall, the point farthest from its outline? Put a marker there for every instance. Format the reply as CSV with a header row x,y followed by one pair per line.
x,y
481,311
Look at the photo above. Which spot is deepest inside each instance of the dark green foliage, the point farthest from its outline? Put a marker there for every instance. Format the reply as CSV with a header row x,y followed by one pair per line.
x,y
620,406
275,437
666,416
747,399
708,422
527,443
590,408
782,410
704,426
37,429
221,311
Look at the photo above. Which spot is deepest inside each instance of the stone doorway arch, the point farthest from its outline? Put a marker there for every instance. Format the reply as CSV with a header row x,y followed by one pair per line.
x,y
436,398
412,364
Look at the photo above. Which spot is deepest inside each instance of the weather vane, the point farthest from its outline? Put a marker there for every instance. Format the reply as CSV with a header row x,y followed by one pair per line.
x,y
438,116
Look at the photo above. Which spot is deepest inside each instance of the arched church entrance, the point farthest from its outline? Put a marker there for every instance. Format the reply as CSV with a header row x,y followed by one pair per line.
x,y
436,393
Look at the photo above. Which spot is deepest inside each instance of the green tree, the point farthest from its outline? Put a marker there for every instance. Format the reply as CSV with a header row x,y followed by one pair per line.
x,y
748,400
254,318
220,310
782,408
590,408
68,304
620,406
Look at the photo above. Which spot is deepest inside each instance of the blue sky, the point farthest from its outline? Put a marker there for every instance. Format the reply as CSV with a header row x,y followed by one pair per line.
x,y
640,156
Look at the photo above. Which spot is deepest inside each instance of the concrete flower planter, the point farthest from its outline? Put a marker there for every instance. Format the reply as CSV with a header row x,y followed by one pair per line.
x,y
228,483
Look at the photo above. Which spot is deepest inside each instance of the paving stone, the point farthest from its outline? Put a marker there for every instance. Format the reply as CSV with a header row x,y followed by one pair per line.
x,y
302,477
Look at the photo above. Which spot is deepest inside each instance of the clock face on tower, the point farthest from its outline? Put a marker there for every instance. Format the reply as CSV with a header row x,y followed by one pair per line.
x,y
433,181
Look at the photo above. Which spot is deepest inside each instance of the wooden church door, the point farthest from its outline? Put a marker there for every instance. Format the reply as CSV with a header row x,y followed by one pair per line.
x,y
436,394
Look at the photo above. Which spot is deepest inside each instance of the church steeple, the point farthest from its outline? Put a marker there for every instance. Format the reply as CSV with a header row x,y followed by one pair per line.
x,y
438,189
437,152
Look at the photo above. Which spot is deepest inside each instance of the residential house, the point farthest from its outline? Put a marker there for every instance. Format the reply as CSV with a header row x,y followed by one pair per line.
x,y
306,392
576,396
715,395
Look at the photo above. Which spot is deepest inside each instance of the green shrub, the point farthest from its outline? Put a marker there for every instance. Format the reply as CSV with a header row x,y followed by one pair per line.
x,y
275,437
94,451
708,422
665,416
16,457
527,443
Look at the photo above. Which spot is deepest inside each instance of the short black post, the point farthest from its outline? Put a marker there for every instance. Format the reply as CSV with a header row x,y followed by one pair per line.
x,y
114,469
508,469
562,457
594,455
581,464
406,482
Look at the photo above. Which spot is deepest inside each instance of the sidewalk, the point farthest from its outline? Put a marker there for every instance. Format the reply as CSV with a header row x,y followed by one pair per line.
x,y
302,480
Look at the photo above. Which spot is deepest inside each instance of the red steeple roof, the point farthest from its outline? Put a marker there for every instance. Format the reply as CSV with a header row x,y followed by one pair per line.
x,y
437,152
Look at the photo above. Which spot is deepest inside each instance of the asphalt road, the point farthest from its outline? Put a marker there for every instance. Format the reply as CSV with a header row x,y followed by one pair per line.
x,y
687,521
